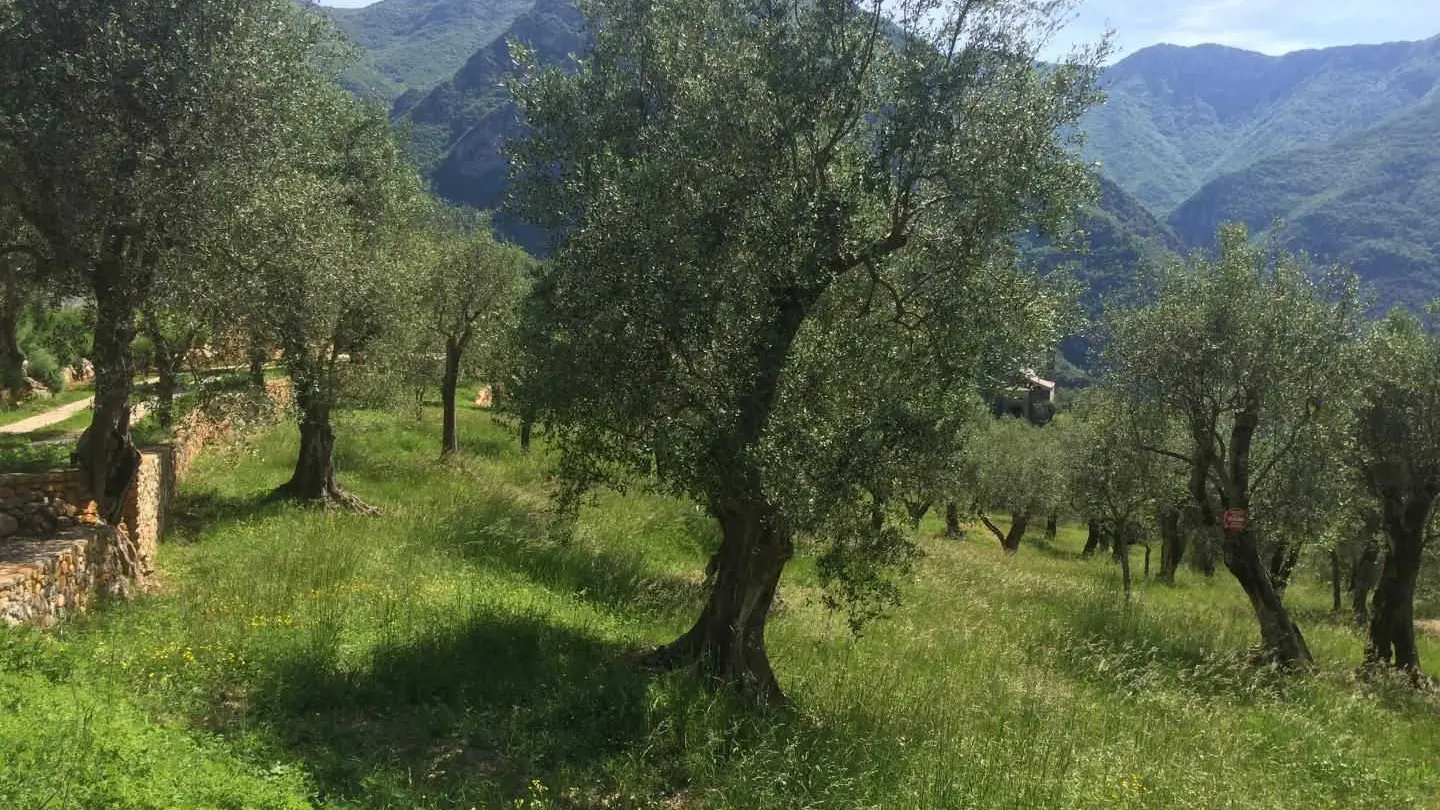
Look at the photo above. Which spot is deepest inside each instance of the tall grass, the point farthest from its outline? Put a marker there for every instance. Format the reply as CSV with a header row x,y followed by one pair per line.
x,y
469,649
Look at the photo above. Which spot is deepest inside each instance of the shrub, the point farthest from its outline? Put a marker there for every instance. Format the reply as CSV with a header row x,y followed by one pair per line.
x,y
67,334
143,351
45,368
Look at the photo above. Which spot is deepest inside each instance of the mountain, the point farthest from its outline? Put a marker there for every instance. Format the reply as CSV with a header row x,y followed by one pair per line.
x,y
459,127
1370,200
416,44
1341,143
1177,118
1118,235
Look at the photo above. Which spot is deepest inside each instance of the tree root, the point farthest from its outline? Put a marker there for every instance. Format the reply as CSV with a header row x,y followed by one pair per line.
x,y
332,497
680,656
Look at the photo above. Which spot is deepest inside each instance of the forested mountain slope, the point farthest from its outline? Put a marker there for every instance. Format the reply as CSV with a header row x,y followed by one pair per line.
x,y
459,128
1177,117
416,44
1371,200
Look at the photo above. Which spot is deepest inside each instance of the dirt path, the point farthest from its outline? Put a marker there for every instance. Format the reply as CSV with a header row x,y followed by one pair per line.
x,y
53,417
48,418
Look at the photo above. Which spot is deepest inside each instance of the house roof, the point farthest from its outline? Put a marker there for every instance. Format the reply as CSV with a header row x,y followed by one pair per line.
x,y
1034,379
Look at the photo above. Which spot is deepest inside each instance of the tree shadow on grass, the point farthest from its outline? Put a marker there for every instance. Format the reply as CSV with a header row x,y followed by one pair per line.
x,y
194,511
499,533
477,713
1102,640
471,713
417,458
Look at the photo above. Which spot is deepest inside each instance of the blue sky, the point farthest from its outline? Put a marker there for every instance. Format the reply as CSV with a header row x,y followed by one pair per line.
x,y
1268,26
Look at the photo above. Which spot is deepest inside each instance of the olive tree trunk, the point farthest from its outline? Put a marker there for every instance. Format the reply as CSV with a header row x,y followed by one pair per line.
x,y
917,511
1392,623
12,360
258,357
1363,577
313,479
1335,604
314,476
169,360
449,382
1010,541
1172,544
728,640
1092,538
1280,637
952,521
1122,554
1282,563
106,455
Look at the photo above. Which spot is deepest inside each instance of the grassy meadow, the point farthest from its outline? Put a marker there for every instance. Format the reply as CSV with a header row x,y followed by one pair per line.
x,y
469,650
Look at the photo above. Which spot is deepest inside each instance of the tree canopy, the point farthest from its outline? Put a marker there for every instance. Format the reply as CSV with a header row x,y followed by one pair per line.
x,y
737,190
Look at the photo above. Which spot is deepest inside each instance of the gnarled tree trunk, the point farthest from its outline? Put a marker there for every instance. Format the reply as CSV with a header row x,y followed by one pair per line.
x,y
1282,563
1052,527
727,642
1010,541
1122,555
314,476
1092,538
1392,623
1335,605
1279,635
12,360
917,511
169,360
1363,577
257,357
105,456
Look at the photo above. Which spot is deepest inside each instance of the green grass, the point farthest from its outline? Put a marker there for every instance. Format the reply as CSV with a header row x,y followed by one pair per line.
x,y
10,414
43,449
467,650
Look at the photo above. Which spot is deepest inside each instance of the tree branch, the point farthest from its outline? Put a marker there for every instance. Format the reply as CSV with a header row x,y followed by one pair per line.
x,y
1168,453
999,535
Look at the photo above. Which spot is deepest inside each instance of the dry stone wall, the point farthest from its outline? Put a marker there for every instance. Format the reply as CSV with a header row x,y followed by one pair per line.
x,y
44,579
54,550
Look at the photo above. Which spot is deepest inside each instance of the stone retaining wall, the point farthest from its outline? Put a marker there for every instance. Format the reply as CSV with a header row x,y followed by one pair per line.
x,y
55,552
39,504
42,580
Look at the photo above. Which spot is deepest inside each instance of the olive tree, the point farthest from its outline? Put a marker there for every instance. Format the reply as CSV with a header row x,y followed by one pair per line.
x,y
121,118
1244,353
1397,444
1116,484
322,254
471,295
736,189
1018,469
